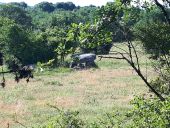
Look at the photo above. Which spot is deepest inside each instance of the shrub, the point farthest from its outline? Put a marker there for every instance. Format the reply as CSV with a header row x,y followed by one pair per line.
x,y
65,119
161,85
150,113
146,113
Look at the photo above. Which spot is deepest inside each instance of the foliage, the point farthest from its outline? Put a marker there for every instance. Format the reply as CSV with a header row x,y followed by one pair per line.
x,y
86,14
65,119
61,41
19,15
11,36
63,19
151,113
58,34
72,119
152,14
155,37
90,40
50,7
40,19
66,6
110,120
115,18
22,44
161,85
41,49
153,31
19,4
45,6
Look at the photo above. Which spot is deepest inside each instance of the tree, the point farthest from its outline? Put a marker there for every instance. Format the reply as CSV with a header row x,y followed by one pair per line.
x,y
153,31
154,27
24,45
90,40
20,4
17,14
63,19
61,42
86,14
157,44
65,6
13,39
130,55
45,6
162,4
40,19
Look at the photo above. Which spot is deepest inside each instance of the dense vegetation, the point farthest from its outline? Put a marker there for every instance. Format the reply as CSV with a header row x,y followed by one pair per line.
x,y
48,33
40,33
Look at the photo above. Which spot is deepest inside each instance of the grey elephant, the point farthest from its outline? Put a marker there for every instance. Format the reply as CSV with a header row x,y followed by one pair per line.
x,y
83,60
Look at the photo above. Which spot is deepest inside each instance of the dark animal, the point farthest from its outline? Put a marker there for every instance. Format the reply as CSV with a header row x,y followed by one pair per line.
x,y
83,60
24,72
19,71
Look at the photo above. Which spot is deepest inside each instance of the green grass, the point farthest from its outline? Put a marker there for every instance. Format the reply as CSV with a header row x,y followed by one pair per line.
x,y
92,92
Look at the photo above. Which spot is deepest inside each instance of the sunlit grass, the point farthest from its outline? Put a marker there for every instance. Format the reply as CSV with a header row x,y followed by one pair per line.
x,y
92,92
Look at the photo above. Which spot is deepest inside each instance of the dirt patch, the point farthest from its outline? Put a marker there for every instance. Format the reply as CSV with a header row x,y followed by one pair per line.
x,y
6,123
17,108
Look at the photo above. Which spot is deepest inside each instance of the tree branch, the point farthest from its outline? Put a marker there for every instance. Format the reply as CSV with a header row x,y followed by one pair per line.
x,y
112,57
5,72
121,49
136,55
145,80
163,10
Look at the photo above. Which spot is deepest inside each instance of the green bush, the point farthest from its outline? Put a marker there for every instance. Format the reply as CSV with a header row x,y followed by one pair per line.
x,y
146,113
65,119
155,38
150,113
161,85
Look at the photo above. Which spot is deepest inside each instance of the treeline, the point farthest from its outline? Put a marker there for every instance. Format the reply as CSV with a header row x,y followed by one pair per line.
x,y
47,6
37,34
49,31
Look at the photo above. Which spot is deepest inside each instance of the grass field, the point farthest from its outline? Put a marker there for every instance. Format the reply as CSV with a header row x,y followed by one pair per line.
x,y
92,92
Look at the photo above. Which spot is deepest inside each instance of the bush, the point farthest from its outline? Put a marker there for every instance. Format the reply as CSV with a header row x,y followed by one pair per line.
x,y
161,85
150,113
146,113
65,119
155,37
